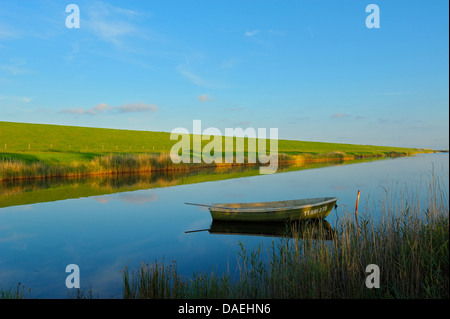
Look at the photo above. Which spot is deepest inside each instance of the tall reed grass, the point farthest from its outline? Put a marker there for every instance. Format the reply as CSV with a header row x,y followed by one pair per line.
x,y
409,242
14,293
12,168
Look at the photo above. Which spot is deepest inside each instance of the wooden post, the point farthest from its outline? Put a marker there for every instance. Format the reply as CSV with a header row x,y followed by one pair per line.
x,y
29,146
356,213
6,146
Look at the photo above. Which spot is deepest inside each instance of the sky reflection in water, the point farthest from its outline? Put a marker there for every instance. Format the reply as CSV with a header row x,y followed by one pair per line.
x,y
104,233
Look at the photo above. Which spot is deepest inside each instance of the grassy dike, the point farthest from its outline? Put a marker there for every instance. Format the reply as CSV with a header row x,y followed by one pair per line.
x,y
42,151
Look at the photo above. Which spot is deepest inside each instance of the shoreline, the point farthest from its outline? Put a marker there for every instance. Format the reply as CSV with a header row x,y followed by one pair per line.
x,y
159,164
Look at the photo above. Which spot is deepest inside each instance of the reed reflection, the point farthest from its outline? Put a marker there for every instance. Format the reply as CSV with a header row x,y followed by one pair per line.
x,y
32,191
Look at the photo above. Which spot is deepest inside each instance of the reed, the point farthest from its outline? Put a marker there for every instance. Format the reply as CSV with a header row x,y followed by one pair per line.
x,y
12,169
19,166
409,243
18,292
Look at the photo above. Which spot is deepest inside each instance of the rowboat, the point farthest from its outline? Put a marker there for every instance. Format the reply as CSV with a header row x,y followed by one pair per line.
x,y
290,210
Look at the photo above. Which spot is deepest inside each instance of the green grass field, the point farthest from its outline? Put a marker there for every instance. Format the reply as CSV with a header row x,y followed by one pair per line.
x,y
40,150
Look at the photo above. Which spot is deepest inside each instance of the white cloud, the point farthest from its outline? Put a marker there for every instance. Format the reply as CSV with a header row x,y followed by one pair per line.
x,y
15,67
195,79
23,99
277,33
111,24
132,198
229,63
242,123
111,32
346,116
394,93
265,32
184,70
251,33
340,115
93,110
13,70
75,111
103,107
7,33
204,98
136,107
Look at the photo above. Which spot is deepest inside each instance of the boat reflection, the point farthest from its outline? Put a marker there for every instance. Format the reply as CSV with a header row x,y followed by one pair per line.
x,y
308,229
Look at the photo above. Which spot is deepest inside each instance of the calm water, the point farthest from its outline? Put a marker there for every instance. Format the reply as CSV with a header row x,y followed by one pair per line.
x,y
102,234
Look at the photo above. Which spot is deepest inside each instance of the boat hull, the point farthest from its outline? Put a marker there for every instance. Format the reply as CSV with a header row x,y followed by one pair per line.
x,y
305,229
274,211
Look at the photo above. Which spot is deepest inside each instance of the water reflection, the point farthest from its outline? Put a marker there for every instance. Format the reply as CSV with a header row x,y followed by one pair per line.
x,y
310,229
146,220
26,192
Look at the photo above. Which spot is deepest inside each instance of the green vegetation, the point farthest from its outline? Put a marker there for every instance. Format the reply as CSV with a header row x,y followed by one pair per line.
x,y
41,151
32,191
14,293
55,143
409,243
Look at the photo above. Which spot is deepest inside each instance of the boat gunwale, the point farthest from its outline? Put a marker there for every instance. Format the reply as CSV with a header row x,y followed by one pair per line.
x,y
269,209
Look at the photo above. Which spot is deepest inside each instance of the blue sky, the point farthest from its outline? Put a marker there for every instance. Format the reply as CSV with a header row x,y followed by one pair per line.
x,y
312,69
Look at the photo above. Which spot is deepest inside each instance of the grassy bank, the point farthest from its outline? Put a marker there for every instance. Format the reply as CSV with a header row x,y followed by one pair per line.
x,y
42,151
409,243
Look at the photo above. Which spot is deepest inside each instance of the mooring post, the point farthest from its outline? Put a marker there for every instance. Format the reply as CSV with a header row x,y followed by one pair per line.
x,y
356,213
